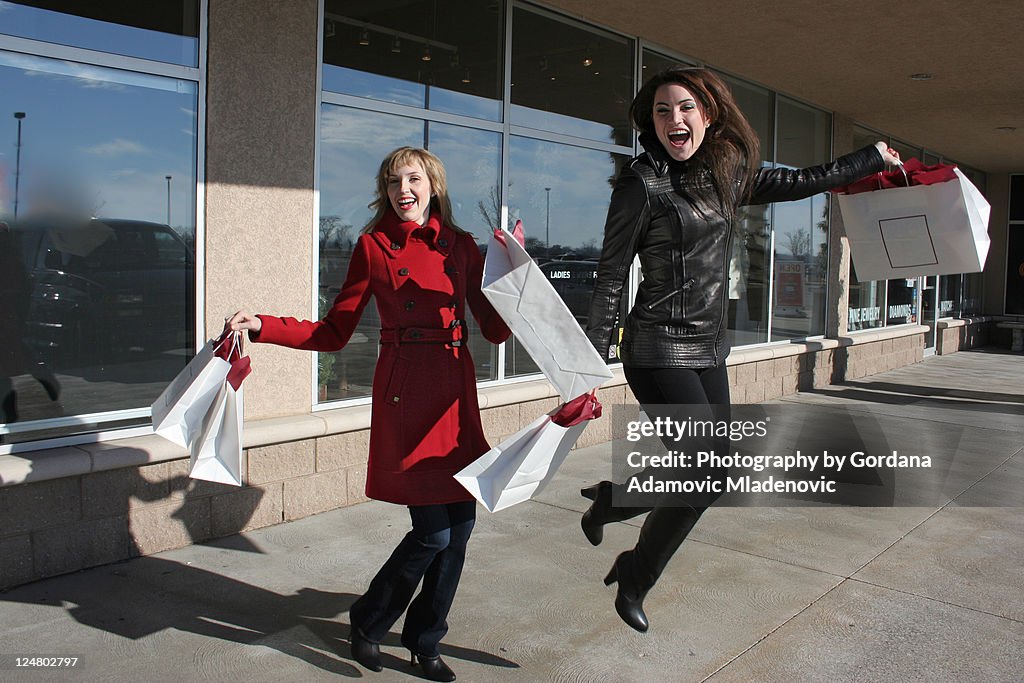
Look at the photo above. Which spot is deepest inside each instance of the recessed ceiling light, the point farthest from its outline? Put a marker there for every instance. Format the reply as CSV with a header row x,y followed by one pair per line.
x,y
1006,129
921,77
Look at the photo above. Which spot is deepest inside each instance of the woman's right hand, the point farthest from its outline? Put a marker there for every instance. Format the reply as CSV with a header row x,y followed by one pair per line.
x,y
889,155
243,320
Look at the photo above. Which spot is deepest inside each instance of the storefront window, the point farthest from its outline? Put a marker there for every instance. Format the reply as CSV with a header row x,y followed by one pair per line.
x,y
563,215
571,79
98,204
750,260
950,292
801,227
445,57
866,303
653,62
1015,249
901,301
163,31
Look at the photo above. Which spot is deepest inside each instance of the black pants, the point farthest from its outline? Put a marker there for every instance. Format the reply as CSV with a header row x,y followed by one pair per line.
x,y
667,526
432,552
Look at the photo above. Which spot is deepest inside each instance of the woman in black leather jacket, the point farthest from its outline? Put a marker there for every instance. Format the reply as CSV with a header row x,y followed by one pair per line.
x,y
674,206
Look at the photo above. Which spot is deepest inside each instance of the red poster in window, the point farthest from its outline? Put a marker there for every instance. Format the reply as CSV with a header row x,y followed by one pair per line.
x,y
789,284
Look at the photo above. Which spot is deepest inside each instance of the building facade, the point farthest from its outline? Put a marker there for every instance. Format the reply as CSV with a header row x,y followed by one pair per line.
x,y
174,162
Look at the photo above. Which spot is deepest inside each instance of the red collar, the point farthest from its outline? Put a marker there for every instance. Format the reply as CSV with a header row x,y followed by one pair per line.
x,y
393,234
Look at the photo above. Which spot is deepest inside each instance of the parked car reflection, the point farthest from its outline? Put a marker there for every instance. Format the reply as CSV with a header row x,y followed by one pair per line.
x,y
106,286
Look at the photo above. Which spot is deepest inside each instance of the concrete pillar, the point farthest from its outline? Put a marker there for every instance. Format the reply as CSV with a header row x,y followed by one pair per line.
x,y
260,134
838,302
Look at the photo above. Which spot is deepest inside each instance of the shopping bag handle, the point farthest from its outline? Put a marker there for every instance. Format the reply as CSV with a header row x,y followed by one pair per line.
x,y
234,351
583,407
899,165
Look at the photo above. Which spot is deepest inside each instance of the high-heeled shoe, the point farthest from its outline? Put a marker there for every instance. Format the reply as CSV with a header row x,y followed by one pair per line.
x,y
434,668
593,520
364,651
629,600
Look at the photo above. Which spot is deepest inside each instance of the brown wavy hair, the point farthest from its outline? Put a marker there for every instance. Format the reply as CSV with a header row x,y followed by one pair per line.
x,y
440,203
731,148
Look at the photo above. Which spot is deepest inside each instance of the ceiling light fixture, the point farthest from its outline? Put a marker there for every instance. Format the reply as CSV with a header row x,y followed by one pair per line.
x,y
396,46
921,77
1006,129
465,77
426,54
587,61
364,37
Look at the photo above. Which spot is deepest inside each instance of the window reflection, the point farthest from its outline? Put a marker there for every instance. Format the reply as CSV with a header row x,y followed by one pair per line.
x,y
563,216
866,303
654,62
163,31
440,56
801,227
569,79
85,291
750,260
352,144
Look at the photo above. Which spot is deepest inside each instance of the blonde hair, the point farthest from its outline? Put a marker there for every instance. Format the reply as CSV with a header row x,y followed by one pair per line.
x,y
440,203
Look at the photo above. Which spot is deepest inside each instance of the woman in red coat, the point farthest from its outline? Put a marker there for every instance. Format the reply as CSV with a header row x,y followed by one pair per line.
x,y
422,270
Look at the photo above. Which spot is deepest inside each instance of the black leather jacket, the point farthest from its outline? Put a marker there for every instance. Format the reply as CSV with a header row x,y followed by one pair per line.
x,y
676,221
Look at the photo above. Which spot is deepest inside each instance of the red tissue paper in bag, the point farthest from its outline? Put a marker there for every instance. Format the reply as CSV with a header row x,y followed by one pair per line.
x,y
517,232
232,353
583,407
916,172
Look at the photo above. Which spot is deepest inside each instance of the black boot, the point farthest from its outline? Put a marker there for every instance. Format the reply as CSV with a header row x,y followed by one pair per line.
x,y
365,652
603,512
434,668
629,600
638,570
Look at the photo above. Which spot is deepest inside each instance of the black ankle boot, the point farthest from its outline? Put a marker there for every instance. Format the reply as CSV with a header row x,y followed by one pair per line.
x,y
596,516
365,652
434,668
629,600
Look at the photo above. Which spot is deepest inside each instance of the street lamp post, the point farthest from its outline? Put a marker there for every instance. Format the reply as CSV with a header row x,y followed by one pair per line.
x,y
547,221
168,200
19,115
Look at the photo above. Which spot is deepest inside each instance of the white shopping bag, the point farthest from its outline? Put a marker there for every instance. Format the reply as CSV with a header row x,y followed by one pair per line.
x,y
217,451
178,412
905,232
522,465
540,320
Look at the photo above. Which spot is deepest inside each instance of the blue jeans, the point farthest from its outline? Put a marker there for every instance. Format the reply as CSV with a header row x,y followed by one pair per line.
x,y
432,552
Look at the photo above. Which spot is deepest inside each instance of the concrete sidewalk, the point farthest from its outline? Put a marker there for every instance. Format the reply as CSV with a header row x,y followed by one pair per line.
x,y
755,594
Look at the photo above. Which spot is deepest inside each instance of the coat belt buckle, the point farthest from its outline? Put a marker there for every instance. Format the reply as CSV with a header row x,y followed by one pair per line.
x,y
456,327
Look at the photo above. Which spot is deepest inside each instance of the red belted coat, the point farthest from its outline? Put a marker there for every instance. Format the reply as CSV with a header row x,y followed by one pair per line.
x,y
425,419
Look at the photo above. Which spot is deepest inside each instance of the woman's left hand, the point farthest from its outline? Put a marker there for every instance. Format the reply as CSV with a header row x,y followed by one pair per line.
x,y
890,156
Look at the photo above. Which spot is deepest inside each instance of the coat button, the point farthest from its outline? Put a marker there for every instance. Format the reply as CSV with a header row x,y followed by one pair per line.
x,y
442,243
450,270
453,303
396,246
394,399
409,305
403,271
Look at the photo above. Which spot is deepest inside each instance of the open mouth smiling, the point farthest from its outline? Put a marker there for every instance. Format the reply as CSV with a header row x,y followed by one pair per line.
x,y
678,136
406,203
